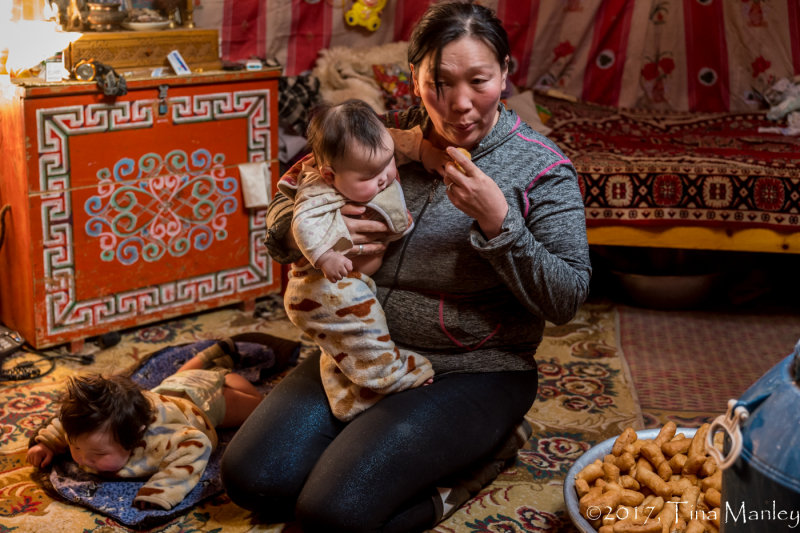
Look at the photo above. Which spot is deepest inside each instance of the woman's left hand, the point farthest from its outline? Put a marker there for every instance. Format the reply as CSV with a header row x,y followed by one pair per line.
x,y
369,236
475,193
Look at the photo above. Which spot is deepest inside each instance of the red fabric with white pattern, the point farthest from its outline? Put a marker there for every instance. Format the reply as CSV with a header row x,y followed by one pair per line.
x,y
699,55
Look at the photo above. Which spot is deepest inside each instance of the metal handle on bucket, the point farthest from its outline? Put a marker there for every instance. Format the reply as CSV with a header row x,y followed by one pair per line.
x,y
729,423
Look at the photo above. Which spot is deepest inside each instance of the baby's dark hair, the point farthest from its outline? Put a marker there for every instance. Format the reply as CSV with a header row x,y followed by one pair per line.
x,y
114,403
333,128
446,22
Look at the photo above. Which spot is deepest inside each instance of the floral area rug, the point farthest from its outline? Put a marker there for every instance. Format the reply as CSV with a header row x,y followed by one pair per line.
x,y
585,396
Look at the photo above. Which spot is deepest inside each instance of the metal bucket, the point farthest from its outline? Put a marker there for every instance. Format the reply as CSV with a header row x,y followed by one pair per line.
x,y
761,458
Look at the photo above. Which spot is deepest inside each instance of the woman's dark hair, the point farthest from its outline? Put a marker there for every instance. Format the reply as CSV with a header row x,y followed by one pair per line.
x,y
93,402
333,128
446,22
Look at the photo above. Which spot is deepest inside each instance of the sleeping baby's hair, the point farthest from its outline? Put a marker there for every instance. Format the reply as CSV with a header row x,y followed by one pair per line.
x,y
115,403
333,128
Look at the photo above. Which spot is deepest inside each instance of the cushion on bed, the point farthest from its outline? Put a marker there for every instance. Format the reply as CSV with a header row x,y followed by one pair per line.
x,y
395,84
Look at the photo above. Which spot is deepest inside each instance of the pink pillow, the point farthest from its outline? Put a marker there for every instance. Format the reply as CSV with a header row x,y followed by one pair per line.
x,y
395,84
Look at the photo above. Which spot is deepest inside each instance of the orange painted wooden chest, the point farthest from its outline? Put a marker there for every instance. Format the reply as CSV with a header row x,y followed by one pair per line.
x,y
130,210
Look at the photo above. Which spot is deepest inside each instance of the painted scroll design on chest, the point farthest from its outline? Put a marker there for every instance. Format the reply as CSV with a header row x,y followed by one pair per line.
x,y
161,205
55,126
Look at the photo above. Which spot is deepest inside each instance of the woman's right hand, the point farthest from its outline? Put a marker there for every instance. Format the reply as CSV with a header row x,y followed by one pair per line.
x,y
475,193
368,236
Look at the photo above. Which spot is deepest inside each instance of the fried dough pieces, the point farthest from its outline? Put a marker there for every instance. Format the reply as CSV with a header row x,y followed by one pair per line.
x,y
668,484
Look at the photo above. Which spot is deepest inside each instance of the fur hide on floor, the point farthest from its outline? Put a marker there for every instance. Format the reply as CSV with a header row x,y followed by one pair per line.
x,y
346,73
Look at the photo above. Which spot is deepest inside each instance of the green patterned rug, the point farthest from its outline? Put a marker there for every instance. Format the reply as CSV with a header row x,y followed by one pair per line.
x,y
585,396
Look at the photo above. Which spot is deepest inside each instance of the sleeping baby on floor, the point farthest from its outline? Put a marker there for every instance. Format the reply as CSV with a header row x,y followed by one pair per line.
x,y
114,428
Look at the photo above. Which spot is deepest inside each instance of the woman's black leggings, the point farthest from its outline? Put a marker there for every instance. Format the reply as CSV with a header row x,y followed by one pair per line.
x,y
293,460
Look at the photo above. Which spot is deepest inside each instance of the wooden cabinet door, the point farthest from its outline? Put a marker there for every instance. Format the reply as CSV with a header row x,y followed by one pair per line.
x,y
136,204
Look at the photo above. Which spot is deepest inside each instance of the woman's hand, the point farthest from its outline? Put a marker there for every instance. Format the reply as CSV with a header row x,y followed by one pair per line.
x,y
368,236
475,193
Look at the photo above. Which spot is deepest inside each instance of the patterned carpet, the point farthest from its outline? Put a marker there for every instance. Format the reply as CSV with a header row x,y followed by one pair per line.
x,y
585,397
704,357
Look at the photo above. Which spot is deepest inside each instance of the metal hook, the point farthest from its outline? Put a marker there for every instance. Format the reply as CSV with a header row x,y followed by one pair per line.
x,y
730,424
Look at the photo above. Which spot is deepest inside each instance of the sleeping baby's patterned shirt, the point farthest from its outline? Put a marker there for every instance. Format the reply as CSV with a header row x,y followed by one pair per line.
x,y
173,453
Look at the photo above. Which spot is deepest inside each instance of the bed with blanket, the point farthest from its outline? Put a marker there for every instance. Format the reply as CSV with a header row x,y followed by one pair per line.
x,y
714,181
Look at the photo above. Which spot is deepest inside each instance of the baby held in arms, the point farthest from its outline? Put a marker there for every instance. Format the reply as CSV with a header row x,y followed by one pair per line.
x,y
330,294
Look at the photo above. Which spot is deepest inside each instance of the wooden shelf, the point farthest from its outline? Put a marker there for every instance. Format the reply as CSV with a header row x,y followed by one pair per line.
x,y
697,238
